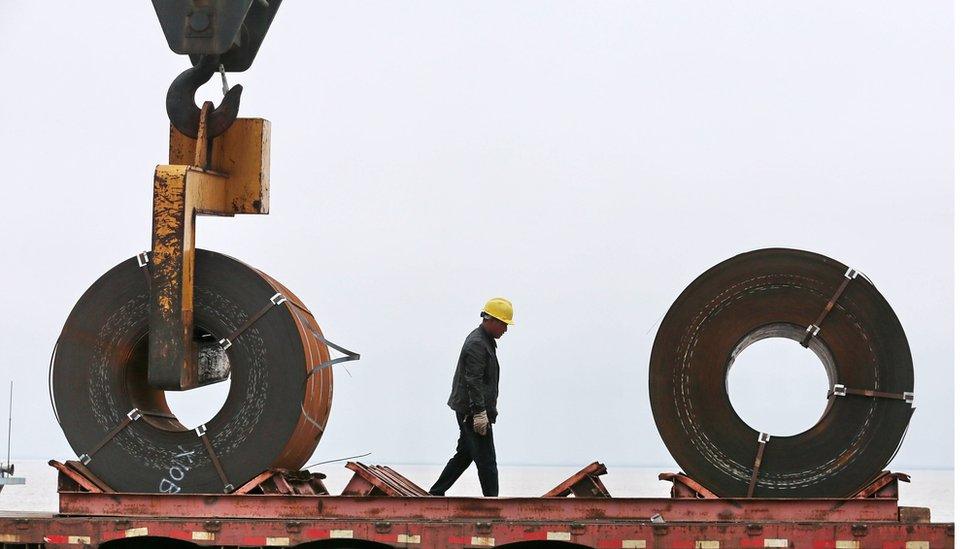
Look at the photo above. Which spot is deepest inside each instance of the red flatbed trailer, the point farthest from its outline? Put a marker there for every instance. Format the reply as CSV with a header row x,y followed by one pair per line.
x,y
283,520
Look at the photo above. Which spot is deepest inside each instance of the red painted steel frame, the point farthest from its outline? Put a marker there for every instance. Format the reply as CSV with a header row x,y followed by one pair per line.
x,y
499,509
417,533
268,520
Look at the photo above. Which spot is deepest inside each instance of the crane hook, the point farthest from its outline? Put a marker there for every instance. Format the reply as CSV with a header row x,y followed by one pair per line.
x,y
181,105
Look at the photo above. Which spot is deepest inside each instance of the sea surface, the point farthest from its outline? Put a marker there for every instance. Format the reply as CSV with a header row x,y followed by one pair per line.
x,y
929,488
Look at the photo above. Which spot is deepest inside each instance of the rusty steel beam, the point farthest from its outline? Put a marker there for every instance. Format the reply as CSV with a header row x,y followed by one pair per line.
x,y
885,486
226,176
503,509
180,194
379,480
683,486
74,475
281,481
585,483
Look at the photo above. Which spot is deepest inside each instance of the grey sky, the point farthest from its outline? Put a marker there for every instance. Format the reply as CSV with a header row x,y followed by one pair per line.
x,y
586,160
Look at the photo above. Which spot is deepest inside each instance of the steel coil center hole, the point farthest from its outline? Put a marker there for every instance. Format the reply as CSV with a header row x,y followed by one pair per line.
x,y
180,410
198,406
778,387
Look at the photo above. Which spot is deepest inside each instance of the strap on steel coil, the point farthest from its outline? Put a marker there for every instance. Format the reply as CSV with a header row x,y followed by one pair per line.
x,y
273,416
780,293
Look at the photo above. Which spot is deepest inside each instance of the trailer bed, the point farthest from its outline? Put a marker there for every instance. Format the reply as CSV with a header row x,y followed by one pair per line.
x,y
260,520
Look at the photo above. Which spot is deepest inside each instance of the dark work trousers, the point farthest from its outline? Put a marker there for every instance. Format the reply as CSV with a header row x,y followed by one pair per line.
x,y
471,447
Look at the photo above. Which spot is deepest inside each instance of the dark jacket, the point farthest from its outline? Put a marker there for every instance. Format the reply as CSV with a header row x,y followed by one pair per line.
x,y
475,386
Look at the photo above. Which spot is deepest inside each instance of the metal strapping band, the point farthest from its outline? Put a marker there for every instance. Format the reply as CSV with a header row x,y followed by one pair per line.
x,y
158,414
133,415
763,439
274,301
202,433
843,390
311,419
814,329
350,355
142,259
300,308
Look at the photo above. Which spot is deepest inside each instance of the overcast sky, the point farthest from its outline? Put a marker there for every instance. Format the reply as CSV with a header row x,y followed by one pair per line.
x,y
587,160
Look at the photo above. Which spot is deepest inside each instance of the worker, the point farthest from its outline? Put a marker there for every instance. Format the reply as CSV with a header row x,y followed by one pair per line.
x,y
474,397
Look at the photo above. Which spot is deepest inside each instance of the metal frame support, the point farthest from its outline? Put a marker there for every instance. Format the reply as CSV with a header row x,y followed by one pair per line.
x,y
684,486
584,483
379,480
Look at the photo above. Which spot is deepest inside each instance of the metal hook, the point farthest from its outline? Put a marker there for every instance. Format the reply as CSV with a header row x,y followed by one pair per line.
x,y
182,108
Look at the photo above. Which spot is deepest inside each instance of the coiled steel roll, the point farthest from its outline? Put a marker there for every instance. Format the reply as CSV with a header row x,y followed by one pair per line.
x,y
780,293
272,418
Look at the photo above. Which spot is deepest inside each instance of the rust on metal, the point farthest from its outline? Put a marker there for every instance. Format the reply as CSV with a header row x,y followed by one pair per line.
x,y
243,154
585,483
884,486
281,481
180,193
914,515
394,508
253,484
466,532
275,412
237,183
379,480
776,293
683,486
273,518
202,151
72,475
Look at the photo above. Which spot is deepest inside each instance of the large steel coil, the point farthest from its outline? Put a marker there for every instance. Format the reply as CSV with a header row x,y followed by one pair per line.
x,y
274,413
782,293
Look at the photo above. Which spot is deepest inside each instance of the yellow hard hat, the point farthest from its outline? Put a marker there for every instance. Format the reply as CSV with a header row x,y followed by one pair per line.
x,y
500,308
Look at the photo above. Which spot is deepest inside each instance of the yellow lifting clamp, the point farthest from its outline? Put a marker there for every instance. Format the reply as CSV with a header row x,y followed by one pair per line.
x,y
223,176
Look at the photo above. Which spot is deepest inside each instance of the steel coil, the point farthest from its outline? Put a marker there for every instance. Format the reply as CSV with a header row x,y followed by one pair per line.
x,y
274,414
780,293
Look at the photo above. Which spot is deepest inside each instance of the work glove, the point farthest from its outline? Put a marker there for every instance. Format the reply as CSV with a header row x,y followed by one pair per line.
x,y
480,422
